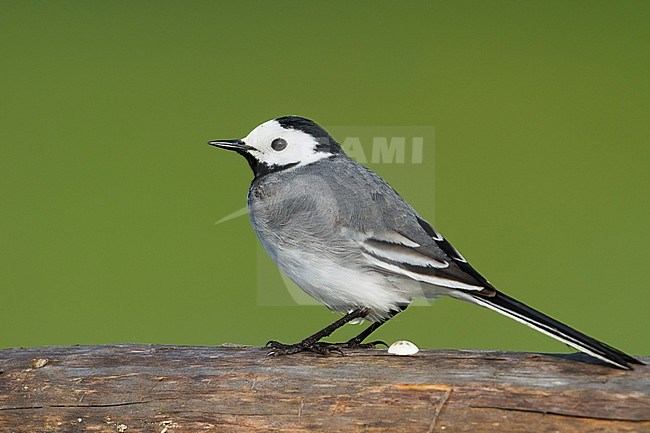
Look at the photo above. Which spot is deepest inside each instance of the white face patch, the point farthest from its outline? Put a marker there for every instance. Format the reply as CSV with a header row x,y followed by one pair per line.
x,y
301,148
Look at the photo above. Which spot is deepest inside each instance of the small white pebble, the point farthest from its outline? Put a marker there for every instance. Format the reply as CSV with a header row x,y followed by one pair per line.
x,y
403,347
121,428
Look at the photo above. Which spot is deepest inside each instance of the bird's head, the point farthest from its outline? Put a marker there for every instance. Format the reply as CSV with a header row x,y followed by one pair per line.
x,y
282,143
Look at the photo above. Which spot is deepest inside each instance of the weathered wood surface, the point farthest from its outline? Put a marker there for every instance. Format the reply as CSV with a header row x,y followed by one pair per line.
x,y
132,388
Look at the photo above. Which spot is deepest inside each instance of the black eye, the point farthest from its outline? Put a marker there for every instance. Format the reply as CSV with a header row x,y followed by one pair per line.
x,y
279,144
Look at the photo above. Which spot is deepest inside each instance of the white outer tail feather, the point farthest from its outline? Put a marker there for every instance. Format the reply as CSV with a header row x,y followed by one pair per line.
x,y
536,326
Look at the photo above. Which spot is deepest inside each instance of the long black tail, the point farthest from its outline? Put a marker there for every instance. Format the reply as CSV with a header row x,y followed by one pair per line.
x,y
522,313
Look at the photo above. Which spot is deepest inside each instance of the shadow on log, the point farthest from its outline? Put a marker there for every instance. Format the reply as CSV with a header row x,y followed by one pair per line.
x,y
161,389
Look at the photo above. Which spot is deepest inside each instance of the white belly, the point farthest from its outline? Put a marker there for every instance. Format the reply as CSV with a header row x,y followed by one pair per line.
x,y
344,287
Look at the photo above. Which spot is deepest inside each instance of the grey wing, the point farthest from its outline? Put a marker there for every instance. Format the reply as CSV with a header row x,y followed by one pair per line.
x,y
394,238
418,251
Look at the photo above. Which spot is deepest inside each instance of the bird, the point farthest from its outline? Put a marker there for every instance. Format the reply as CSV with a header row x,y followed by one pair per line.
x,y
349,240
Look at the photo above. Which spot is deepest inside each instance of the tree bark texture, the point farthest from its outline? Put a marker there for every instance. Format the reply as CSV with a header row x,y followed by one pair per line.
x,y
164,389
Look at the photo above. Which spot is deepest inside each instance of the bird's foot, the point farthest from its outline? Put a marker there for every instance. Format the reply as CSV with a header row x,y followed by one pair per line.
x,y
321,348
279,349
353,344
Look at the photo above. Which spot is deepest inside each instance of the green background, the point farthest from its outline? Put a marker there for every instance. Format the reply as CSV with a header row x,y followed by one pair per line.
x,y
109,193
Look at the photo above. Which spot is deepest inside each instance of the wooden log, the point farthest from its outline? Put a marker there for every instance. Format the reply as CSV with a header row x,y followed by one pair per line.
x,y
133,388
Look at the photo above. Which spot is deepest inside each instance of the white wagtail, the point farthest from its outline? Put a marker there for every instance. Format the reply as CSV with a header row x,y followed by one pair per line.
x,y
343,235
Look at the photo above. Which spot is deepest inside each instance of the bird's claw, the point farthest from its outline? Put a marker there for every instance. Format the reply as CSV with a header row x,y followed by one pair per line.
x,y
326,349
320,348
280,349
283,349
356,345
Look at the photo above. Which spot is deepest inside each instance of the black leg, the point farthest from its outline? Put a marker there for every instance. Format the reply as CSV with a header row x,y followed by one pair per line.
x,y
309,343
357,342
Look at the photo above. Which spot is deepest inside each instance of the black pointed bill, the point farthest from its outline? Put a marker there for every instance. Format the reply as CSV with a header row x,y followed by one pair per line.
x,y
237,145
